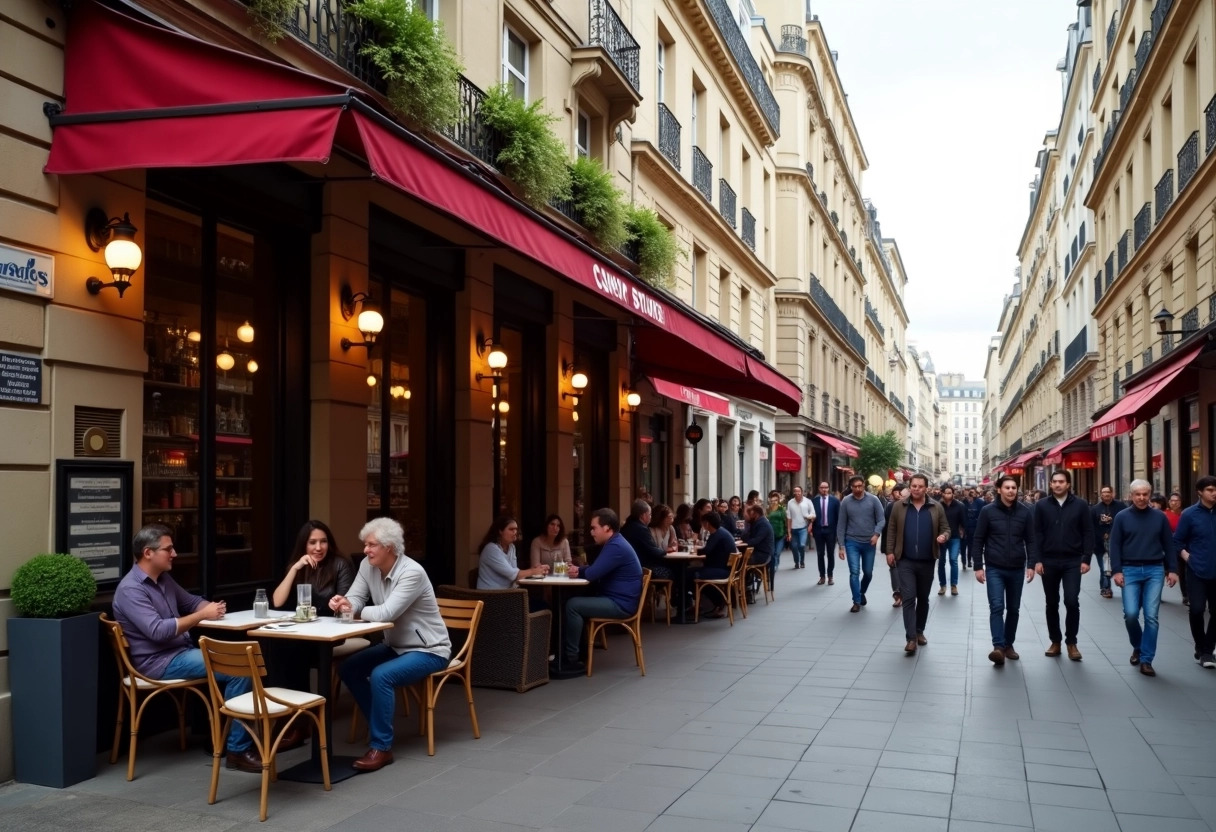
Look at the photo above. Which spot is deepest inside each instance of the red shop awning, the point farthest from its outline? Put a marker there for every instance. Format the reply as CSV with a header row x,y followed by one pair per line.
x,y
787,458
1055,455
693,396
170,100
838,445
1017,465
1147,396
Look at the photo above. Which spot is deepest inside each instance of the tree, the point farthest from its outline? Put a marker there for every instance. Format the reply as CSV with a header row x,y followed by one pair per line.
x,y
878,453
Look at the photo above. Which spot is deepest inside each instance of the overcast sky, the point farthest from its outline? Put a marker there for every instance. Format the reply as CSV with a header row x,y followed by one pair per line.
x,y
952,99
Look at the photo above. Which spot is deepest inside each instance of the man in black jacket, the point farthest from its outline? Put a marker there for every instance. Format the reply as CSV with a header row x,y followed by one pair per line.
x,y
1103,513
1064,537
636,530
1004,542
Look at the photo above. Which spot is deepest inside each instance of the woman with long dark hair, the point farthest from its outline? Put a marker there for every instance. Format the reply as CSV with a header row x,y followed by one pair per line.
x,y
551,545
498,567
317,560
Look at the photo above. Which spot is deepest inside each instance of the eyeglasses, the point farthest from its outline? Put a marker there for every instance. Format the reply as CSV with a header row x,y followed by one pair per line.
x,y
165,549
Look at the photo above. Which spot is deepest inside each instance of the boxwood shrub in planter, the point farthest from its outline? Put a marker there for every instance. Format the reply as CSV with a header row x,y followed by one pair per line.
x,y
53,647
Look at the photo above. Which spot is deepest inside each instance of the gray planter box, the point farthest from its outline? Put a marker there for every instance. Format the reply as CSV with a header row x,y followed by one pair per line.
x,y
53,676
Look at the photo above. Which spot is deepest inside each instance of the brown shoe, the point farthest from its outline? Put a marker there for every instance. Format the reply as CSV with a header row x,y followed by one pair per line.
x,y
1146,669
855,608
822,581
247,760
899,602
373,760
941,590
294,737
1074,653
1135,659
954,590
997,656
1053,650
910,647
1011,654
1106,593
921,640
831,582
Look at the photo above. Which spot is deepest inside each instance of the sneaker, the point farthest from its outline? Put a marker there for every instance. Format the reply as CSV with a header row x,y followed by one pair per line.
x,y
941,590
997,656
954,590
1135,659
1208,661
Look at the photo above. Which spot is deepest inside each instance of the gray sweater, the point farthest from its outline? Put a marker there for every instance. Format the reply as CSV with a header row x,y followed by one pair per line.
x,y
404,597
859,519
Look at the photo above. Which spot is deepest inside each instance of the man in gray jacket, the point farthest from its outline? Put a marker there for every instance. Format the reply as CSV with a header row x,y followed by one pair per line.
x,y
858,531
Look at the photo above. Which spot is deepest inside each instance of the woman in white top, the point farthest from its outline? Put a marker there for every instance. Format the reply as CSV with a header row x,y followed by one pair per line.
x,y
551,546
498,568
662,528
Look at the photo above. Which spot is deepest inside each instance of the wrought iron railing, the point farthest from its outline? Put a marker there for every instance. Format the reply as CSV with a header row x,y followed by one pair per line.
x,y
669,135
1209,138
1114,391
897,401
872,314
1190,321
793,39
1143,49
810,171
1111,30
1165,193
470,131
876,381
1143,224
702,174
1110,269
340,37
567,208
1076,349
835,218
607,30
748,231
1146,358
1160,11
724,15
1097,288
1097,76
1128,368
836,316
1129,86
1188,161
1122,250
726,202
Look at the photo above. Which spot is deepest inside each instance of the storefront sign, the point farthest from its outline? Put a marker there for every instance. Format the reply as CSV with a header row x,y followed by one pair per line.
x,y
20,378
26,271
625,292
694,433
93,513
697,398
1081,459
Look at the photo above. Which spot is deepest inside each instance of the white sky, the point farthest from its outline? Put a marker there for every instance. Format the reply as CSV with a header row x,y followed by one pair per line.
x,y
952,99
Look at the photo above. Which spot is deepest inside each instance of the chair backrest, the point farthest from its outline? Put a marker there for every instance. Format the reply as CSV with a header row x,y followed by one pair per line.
x,y
637,614
732,563
236,659
121,648
461,615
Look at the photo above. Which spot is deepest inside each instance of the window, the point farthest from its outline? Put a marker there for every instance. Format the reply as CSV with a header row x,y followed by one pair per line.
x,y
431,7
659,70
515,63
582,141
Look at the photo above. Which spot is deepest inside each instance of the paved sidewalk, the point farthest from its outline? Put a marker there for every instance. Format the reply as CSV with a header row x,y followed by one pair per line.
x,y
802,717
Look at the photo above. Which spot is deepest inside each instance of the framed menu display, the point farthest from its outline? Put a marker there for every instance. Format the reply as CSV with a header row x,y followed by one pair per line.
x,y
93,507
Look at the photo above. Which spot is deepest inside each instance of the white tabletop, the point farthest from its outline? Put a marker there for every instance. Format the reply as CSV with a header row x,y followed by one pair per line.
x,y
324,628
683,556
551,579
244,620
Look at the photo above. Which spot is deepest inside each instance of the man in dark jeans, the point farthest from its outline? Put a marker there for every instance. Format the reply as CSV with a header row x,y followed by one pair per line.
x,y
1064,535
1104,512
917,530
1004,541
1195,544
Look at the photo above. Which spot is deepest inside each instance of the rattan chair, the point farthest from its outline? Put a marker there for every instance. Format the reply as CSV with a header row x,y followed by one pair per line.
x,y
457,615
266,713
659,585
741,577
725,587
133,685
766,587
632,625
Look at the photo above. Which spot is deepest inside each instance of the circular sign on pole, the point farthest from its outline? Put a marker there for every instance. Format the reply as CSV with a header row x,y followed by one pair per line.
x,y
694,433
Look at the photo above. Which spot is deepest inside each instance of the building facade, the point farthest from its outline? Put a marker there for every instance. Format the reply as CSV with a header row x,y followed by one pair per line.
x,y
962,405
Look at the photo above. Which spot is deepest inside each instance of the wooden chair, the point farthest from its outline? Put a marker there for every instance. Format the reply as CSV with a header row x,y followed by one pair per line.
x,y
266,713
659,585
725,587
457,615
632,625
741,577
766,587
132,685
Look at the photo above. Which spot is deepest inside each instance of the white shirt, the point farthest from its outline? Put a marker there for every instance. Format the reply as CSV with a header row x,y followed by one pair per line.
x,y
800,514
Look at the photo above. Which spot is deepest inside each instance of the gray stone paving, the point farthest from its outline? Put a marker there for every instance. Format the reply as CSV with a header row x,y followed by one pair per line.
x,y
802,717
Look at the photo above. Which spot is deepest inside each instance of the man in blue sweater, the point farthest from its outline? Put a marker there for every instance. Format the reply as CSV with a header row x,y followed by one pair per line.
x,y
616,572
1195,545
1140,544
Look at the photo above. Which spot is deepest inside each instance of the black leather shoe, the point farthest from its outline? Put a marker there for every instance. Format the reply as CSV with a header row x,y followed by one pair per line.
x,y
247,760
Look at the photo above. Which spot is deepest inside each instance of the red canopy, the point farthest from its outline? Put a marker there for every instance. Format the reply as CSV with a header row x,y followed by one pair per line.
x,y
170,100
697,398
840,446
1146,397
1056,455
787,458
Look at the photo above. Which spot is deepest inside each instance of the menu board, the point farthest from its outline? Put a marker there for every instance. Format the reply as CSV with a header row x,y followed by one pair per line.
x,y
93,513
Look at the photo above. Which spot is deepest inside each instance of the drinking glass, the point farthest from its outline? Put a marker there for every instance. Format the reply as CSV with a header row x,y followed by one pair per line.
x,y
261,605
304,595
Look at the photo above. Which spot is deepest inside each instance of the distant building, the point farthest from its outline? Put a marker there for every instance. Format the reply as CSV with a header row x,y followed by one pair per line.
x,y
962,406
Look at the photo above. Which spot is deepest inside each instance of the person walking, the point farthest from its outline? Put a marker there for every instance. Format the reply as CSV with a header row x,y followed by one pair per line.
x,y
857,532
799,515
827,516
1004,543
956,516
1140,544
1195,545
975,504
897,494
917,531
1064,537
781,535
1104,512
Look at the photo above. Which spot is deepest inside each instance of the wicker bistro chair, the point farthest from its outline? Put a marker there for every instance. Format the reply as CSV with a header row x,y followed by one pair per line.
x,y
659,586
513,646
457,615
726,587
632,625
133,685
266,713
741,580
760,570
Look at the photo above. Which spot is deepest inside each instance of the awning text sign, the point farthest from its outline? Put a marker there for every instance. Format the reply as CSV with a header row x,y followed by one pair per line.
x,y
26,271
627,293
20,378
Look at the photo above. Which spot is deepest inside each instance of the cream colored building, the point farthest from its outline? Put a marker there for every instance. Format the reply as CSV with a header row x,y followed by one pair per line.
x,y
962,403
991,409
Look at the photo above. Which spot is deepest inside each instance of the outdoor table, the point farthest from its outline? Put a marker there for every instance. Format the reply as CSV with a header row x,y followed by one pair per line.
x,y
244,620
684,560
559,587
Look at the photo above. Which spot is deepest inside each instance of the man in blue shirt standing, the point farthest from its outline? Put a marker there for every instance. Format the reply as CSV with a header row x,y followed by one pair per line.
x,y
1195,544
1140,544
618,575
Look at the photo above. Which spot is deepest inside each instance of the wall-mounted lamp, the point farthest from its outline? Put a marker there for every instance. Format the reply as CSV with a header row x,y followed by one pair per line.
x,y
371,380
122,253
578,381
252,366
1163,319
370,322
631,398
495,357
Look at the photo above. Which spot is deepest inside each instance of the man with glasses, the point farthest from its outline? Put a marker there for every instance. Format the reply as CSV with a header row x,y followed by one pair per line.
x,y
156,616
1141,543
1064,537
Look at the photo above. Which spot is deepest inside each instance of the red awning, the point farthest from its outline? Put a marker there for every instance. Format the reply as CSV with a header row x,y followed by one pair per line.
x,y
787,458
1146,397
691,395
840,446
1056,454
1017,465
170,100
1081,459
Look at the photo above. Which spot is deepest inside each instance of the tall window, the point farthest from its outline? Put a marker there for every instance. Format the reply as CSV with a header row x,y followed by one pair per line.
x,y
582,140
515,63
660,70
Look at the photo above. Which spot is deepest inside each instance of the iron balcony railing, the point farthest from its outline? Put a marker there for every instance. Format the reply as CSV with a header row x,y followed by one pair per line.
x,y
1165,193
1111,30
1143,224
1129,86
836,316
810,171
566,208
1076,349
669,135
872,314
726,202
1128,368
470,131
1097,76
1110,269
607,30
340,37
702,174
1209,138
1122,250
793,39
1146,358
723,14
1190,321
1160,11
1114,391
1188,161
1097,288
876,381
1143,49
748,231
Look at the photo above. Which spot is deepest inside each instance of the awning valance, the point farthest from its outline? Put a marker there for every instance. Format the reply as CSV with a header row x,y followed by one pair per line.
x,y
1147,396
1017,465
1055,455
691,395
837,444
787,458
170,100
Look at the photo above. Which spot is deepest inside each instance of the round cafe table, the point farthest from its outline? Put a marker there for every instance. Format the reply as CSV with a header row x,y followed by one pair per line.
x,y
560,587
683,560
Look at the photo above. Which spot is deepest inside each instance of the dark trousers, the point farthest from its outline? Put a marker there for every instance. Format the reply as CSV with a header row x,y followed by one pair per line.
x,y
915,581
1066,573
1004,602
1203,594
964,548
824,545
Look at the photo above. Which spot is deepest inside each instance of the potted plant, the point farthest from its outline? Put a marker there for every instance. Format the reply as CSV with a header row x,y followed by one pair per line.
x,y
657,247
270,16
53,648
599,202
532,155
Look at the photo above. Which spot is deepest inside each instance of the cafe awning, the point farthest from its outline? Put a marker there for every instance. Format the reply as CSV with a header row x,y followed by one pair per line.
x,y
837,444
1145,398
787,458
171,100
691,395
1017,465
1055,455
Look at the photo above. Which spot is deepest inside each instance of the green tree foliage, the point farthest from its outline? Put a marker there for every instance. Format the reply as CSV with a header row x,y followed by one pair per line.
x,y
879,453
532,154
269,16
657,247
53,586
599,202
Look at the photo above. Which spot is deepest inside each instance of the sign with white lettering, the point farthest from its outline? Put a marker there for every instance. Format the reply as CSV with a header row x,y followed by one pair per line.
x,y
628,294
20,378
26,271
93,513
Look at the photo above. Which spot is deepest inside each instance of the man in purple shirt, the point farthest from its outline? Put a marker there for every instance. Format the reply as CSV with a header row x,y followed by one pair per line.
x,y
156,615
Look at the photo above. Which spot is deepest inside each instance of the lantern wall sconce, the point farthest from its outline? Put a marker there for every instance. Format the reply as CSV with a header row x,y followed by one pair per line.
x,y
631,398
1163,319
370,322
494,357
578,381
122,253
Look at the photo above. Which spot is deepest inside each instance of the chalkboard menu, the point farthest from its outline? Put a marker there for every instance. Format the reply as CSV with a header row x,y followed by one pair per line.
x,y
93,513
20,378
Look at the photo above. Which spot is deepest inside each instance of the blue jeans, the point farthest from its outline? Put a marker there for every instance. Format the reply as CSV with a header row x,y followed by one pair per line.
x,y
188,664
798,546
373,676
592,606
778,546
1004,601
1142,590
861,567
952,547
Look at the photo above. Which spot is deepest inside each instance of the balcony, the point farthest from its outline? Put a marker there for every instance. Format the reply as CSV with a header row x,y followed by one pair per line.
x,y
793,39
669,136
1146,358
872,315
702,174
609,62
748,232
607,31
470,131
1143,49
873,378
897,401
1076,349
723,14
1188,161
1111,30
1097,289
1209,112
1164,193
329,30
810,171
1114,387
836,317
1160,11
726,202
1110,269
1122,250
1143,224
1097,77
